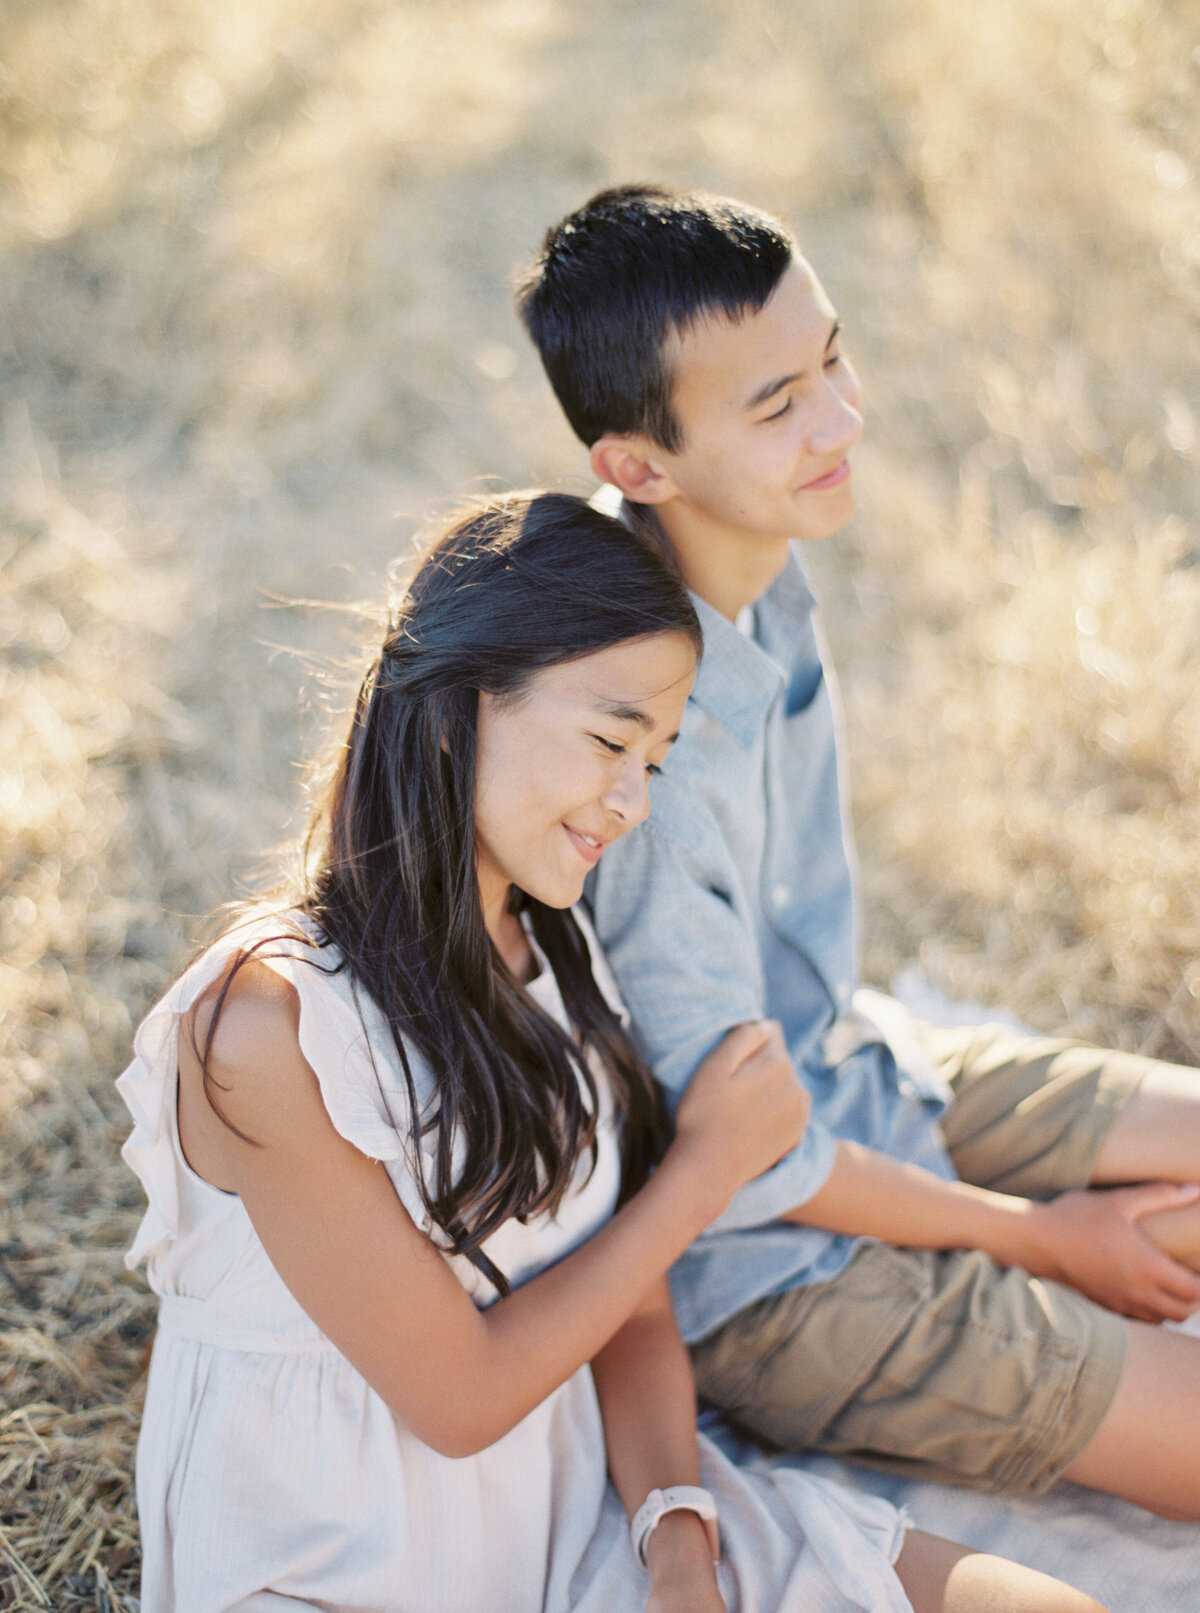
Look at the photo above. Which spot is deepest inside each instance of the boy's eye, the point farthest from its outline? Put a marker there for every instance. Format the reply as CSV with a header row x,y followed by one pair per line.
x,y
653,769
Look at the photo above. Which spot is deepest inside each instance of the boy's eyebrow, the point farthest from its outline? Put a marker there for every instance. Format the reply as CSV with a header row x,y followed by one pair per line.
x,y
778,384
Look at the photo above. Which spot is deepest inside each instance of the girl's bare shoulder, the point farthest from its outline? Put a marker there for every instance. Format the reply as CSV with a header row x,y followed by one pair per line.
x,y
244,1032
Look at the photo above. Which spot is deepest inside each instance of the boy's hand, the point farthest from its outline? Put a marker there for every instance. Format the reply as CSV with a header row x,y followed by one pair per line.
x,y
1091,1240
744,1108
683,1576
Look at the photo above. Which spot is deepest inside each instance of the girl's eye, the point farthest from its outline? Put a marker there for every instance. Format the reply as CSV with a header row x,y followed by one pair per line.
x,y
615,749
833,360
779,413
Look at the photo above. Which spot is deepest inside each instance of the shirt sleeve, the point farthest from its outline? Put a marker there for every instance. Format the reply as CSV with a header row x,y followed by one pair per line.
x,y
687,966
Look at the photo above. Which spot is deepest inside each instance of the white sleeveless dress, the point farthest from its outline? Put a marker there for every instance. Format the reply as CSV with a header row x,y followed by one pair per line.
x,y
271,1476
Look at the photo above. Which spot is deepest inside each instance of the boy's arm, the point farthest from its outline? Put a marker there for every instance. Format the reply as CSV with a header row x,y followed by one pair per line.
x,y
648,1403
688,971
1089,1239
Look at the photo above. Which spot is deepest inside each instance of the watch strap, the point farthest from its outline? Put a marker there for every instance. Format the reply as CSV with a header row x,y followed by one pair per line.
x,y
676,1498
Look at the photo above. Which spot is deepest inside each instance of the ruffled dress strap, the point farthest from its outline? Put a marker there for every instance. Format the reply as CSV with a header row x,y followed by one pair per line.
x,y
354,1059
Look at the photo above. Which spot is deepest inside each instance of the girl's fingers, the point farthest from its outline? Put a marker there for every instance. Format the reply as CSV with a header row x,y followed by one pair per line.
x,y
743,1042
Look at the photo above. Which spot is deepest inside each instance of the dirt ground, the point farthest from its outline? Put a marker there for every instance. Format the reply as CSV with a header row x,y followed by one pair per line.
x,y
255,326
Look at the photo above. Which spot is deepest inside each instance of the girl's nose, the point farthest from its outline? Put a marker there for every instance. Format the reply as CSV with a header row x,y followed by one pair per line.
x,y
629,796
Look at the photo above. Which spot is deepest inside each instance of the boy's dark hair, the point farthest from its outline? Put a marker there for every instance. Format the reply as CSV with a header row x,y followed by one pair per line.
x,y
616,277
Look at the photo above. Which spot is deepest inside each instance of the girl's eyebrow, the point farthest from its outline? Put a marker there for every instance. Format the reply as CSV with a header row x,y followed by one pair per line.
x,y
778,384
626,713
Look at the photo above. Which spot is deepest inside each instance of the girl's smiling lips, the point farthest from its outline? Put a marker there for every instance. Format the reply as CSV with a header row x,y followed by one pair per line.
x,y
831,478
588,846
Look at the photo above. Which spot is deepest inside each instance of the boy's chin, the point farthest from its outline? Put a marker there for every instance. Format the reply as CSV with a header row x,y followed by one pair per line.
x,y
825,523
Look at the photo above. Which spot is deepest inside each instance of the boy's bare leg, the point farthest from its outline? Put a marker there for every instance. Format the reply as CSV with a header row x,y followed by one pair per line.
x,y
1146,1449
940,1577
1157,1138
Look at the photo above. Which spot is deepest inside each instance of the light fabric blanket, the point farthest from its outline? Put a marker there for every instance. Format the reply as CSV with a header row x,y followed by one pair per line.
x,y
1127,1559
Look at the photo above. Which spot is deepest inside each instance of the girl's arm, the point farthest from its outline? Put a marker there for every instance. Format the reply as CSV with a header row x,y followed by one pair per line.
x,y
648,1402
337,1234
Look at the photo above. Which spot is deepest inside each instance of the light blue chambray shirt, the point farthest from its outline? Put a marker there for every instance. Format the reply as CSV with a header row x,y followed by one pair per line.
x,y
735,900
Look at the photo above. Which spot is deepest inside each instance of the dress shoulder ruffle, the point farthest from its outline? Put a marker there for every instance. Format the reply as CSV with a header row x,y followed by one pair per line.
x,y
343,1038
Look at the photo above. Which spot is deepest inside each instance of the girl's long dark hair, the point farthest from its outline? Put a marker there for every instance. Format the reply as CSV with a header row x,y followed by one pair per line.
x,y
508,587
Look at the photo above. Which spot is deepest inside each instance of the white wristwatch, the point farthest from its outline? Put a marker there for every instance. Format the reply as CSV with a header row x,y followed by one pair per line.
x,y
678,1498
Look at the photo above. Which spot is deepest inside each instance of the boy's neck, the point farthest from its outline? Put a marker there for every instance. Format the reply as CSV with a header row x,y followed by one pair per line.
x,y
725,568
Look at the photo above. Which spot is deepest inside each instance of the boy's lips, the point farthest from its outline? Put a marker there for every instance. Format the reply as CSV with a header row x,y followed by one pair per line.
x,y
830,478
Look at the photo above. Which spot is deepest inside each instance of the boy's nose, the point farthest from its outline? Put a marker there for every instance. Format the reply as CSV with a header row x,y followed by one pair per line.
x,y
840,424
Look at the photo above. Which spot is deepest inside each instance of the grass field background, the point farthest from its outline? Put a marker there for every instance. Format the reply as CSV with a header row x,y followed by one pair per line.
x,y
255,327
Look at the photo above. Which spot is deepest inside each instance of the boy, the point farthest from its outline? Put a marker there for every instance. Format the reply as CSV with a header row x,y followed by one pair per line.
x,y
931,1280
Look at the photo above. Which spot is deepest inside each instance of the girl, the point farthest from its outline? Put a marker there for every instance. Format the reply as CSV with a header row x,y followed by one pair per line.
x,y
385,1132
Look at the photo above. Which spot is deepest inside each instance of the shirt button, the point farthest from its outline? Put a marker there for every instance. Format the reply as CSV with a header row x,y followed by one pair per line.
x,y
781,895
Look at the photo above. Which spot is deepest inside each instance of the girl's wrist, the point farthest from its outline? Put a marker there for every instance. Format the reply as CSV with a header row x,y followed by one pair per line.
x,y
700,1188
678,1546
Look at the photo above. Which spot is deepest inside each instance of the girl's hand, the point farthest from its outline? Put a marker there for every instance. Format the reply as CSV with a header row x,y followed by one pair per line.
x,y
744,1108
683,1577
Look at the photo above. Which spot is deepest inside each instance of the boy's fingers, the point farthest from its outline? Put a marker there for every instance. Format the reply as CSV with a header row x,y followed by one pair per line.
x,y
1170,1310
1176,1285
1147,1198
1166,1281
1165,1307
1179,1282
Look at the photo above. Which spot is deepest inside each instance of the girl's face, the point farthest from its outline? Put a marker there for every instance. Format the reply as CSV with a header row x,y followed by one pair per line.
x,y
564,768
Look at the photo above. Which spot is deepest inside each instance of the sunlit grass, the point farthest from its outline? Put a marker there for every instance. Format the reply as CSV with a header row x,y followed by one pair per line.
x,y
253,270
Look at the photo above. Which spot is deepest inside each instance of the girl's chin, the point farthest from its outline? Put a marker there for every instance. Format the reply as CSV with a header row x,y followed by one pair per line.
x,y
560,893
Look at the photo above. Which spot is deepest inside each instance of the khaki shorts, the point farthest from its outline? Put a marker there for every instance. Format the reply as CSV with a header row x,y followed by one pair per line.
x,y
938,1364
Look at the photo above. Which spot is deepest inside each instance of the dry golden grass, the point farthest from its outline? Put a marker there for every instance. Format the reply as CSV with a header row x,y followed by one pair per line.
x,y
252,304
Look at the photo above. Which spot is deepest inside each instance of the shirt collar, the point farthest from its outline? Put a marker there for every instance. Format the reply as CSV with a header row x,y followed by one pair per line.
x,y
738,679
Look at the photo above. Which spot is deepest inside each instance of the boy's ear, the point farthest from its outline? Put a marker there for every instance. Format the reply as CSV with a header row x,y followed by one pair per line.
x,y
633,465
